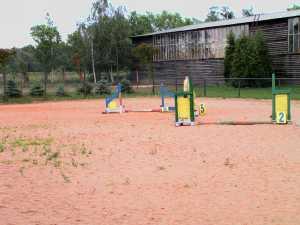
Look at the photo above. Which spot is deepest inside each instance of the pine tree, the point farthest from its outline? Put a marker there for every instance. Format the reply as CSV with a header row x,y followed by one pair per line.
x,y
12,89
251,59
229,51
103,87
263,62
36,90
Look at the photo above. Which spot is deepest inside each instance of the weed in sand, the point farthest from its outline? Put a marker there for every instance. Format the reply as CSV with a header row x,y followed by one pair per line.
x,y
21,170
83,150
57,163
74,163
66,178
46,151
6,162
2,147
25,143
53,156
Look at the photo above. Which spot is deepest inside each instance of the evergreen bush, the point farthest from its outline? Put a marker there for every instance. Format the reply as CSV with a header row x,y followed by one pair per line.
x,y
12,89
61,91
229,52
103,87
85,88
36,90
126,86
249,59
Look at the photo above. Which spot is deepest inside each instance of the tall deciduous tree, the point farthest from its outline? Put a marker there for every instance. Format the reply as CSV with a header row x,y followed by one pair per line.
x,y
219,13
5,55
143,54
294,7
140,24
226,13
213,14
47,39
247,12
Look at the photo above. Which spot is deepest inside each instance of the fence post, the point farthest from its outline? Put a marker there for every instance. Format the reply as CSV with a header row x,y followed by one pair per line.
x,y
4,87
153,85
84,84
239,91
45,83
204,88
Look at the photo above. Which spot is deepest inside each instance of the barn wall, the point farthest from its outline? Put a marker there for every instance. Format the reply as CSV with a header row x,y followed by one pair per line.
x,y
198,70
276,35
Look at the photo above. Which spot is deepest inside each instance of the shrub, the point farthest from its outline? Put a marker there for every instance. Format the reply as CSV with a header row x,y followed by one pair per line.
x,y
85,89
36,90
126,86
61,91
12,89
250,60
229,55
103,87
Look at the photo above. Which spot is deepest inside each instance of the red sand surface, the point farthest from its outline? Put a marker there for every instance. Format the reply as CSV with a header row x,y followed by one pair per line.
x,y
66,163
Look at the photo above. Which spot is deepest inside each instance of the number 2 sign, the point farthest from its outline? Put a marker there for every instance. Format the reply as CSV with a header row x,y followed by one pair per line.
x,y
281,118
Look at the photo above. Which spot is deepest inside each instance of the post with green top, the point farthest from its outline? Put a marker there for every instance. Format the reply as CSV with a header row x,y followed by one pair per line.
x,y
184,105
281,104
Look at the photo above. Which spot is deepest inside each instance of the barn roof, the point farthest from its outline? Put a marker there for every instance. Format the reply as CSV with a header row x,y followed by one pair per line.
x,y
222,23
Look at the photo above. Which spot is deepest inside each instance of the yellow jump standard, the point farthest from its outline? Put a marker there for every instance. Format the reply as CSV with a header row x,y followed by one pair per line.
x,y
281,104
184,106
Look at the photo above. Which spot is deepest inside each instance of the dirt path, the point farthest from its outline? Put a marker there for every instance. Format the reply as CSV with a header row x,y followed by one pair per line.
x,y
66,163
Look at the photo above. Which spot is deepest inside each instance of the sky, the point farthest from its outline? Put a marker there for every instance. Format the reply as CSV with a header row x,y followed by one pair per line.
x,y
18,16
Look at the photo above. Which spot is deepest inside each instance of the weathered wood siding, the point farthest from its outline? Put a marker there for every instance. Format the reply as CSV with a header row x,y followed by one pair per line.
x,y
169,71
276,36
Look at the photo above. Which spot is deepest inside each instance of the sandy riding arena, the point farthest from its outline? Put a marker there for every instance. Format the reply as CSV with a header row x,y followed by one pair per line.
x,y
65,163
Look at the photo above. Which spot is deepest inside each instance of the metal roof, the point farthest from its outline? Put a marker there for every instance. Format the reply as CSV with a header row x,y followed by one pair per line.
x,y
256,18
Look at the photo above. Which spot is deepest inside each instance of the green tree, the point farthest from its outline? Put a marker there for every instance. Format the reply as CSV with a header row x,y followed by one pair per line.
x,y
166,20
243,61
263,64
251,60
229,55
47,39
78,51
219,13
294,7
213,14
5,55
120,42
226,13
247,12
140,24
63,59
25,61
143,54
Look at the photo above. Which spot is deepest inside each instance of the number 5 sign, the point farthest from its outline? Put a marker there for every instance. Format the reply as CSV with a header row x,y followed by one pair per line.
x,y
202,110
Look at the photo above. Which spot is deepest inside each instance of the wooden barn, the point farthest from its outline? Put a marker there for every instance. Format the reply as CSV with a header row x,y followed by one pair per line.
x,y
199,50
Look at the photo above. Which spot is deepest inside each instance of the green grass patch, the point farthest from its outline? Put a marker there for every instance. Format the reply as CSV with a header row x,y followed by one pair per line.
x,y
224,91
2,147
25,143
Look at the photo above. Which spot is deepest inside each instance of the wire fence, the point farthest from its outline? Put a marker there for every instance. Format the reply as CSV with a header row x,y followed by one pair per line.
x,y
259,88
79,86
